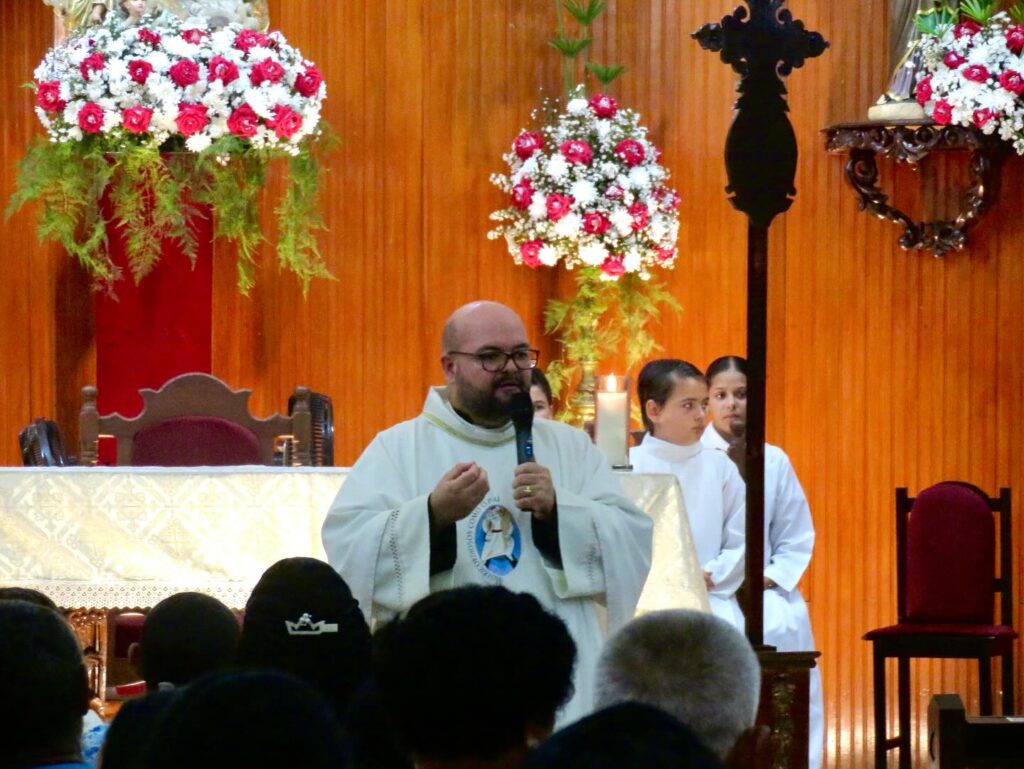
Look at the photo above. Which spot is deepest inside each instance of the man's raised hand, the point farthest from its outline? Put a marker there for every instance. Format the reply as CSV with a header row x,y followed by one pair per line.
x,y
458,493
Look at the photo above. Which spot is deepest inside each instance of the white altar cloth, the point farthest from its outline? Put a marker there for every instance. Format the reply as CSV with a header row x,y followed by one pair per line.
x,y
127,537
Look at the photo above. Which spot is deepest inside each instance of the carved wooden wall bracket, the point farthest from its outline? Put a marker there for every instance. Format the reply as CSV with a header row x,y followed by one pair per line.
x,y
910,142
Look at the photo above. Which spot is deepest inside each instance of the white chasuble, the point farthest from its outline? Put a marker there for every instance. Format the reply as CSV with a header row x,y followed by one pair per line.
x,y
714,495
788,543
377,532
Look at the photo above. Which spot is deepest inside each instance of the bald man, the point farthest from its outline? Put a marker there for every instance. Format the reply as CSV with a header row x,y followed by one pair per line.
x,y
440,501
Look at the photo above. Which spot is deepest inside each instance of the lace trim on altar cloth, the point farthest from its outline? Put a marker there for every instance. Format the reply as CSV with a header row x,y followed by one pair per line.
x,y
133,595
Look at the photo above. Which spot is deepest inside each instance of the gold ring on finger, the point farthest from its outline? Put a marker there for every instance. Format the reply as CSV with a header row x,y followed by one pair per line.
x,y
528,490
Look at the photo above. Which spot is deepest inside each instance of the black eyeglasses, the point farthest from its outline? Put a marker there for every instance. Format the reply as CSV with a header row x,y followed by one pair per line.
x,y
494,361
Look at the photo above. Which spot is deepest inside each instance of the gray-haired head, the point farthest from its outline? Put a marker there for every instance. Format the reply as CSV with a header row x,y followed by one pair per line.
x,y
692,665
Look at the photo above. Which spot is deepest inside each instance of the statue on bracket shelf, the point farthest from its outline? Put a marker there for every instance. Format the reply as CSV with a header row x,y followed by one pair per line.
x,y
898,102
71,16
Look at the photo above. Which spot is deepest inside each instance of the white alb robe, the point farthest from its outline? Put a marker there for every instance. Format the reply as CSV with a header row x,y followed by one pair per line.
x,y
715,504
788,543
377,531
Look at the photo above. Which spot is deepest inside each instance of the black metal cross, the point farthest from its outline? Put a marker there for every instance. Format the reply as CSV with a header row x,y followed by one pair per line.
x,y
762,45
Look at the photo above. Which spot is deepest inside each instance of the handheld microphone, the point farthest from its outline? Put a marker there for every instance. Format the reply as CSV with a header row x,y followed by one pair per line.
x,y
520,408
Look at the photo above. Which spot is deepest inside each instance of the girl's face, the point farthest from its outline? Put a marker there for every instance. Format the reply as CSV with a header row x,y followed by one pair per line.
x,y
682,417
134,8
729,403
541,404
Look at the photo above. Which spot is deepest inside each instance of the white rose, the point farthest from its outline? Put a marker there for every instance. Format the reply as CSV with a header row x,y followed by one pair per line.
x,y
622,221
638,177
557,166
198,142
631,261
548,255
593,254
576,106
568,227
584,192
538,206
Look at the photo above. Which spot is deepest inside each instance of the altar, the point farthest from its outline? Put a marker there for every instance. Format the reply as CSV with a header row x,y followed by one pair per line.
x,y
107,538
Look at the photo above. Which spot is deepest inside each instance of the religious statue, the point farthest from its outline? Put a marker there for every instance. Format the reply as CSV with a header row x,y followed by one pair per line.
x,y
70,16
898,102
73,15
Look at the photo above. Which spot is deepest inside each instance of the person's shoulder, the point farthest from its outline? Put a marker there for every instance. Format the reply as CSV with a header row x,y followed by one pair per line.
x,y
560,430
774,455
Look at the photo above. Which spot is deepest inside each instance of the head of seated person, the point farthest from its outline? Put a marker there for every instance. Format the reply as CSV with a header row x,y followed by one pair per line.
x,y
130,733
244,719
302,619
473,676
625,736
540,394
29,595
693,666
46,690
185,636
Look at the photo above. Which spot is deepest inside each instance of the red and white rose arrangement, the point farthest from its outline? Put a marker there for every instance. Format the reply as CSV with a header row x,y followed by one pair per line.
x,y
587,190
167,78
975,66
145,120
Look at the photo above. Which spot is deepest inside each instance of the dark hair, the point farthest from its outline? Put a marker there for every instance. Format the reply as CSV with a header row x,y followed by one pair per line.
x,y
430,667
132,730
185,636
335,662
626,736
538,379
656,380
27,594
45,680
726,363
245,719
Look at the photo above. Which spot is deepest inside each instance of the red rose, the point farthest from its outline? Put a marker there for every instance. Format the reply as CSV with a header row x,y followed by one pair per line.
x,y
1012,81
243,122
596,223
522,194
665,255
265,71
942,112
90,118
139,70
1015,38
640,215
953,60
529,252
94,62
576,151
48,96
982,116
924,90
250,38
221,69
631,151
613,266
558,206
603,105
193,36
191,119
976,72
149,36
527,143
184,72
308,83
136,119
968,27
614,192
286,121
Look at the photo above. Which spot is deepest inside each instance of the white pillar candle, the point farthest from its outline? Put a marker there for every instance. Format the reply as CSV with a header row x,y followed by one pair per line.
x,y
612,428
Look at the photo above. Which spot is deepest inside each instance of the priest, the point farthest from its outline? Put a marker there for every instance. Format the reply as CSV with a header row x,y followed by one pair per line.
x,y
441,500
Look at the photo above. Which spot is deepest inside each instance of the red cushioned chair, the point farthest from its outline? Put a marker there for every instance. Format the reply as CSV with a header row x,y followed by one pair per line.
x,y
945,579
193,420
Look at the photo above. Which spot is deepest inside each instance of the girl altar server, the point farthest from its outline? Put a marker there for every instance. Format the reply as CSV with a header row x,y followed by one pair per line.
x,y
673,402
789,532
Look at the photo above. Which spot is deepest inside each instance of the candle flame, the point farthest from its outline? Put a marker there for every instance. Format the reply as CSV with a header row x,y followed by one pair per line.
x,y
610,384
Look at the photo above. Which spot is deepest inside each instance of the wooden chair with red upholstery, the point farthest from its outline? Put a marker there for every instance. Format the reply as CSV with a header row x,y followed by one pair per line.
x,y
945,579
194,420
